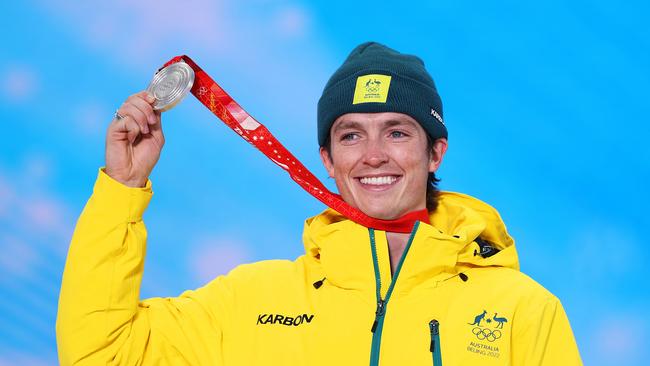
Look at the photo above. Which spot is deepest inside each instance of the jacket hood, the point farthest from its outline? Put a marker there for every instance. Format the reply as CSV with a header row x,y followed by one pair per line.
x,y
464,233
471,219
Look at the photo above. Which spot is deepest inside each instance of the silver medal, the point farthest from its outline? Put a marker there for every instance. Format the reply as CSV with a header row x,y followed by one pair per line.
x,y
170,85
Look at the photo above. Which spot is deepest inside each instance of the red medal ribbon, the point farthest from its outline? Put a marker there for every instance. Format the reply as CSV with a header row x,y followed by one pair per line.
x,y
208,92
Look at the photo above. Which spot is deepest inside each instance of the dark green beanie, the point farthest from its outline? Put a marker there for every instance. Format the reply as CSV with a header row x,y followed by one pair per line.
x,y
375,78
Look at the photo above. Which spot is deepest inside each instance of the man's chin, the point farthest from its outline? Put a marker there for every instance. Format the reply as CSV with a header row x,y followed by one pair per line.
x,y
379,208
380,213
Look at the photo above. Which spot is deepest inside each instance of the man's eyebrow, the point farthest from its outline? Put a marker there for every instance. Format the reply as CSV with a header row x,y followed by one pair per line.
x,y
347,124
399,122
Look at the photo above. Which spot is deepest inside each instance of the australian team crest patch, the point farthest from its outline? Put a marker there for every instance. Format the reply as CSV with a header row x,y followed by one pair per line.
x,y
371,88
487,331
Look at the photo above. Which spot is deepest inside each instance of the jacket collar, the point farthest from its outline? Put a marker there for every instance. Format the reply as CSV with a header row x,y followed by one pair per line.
x,y
342,249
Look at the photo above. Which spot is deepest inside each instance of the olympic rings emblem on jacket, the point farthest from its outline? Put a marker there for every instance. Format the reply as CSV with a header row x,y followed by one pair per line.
x,y
486,334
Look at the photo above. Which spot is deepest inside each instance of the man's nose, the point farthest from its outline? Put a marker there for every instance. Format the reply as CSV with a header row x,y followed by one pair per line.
x,y
375,154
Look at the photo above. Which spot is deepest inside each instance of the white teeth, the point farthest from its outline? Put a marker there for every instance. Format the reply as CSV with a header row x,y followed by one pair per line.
x,y
378,181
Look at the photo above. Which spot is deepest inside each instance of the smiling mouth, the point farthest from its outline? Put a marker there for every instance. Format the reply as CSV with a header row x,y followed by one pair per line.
x,y
386,180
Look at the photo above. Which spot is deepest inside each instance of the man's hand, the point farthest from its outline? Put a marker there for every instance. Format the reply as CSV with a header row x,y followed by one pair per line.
x,y
133,143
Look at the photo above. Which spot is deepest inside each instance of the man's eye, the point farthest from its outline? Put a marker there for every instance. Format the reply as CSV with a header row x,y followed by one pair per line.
x,y
349,137
397,134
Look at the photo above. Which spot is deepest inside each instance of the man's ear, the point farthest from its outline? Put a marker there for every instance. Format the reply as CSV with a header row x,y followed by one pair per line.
x,y
327,161
437,152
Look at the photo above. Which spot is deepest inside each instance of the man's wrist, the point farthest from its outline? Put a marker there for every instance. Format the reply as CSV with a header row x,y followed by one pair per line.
x,y
132,183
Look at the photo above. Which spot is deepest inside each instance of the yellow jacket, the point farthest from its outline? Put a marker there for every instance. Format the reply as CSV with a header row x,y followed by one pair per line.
x,y
451,301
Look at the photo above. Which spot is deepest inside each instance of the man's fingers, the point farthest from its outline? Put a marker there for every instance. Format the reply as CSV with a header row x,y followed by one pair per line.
x,y
157,132
141,102
146,96
138,118
131,127
130,110
126,124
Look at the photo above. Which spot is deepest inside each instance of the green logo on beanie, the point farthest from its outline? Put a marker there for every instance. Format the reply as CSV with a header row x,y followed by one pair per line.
x,y
373,86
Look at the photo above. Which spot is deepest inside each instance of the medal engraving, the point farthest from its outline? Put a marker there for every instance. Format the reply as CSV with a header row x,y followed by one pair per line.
x,y
170,85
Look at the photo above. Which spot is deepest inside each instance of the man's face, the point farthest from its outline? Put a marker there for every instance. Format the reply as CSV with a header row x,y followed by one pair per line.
x,y
381,163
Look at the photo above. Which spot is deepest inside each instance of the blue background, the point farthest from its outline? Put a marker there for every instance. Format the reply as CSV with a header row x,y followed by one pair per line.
x,y
546,103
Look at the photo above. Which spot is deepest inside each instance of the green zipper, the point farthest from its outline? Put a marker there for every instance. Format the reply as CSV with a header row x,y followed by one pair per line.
x,y
378,324
434,327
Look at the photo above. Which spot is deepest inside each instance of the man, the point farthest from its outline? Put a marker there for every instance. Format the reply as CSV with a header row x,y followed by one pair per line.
x,y
447,293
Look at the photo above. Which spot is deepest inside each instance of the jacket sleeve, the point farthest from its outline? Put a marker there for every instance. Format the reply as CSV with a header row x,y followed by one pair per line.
x,y
101,320
543,336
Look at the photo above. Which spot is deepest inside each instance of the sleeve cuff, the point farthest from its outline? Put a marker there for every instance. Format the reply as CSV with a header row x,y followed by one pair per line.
x,y
120,201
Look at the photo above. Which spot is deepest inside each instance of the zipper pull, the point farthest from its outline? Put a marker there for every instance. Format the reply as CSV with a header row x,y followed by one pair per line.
x,y
319,283
435,331
378,313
